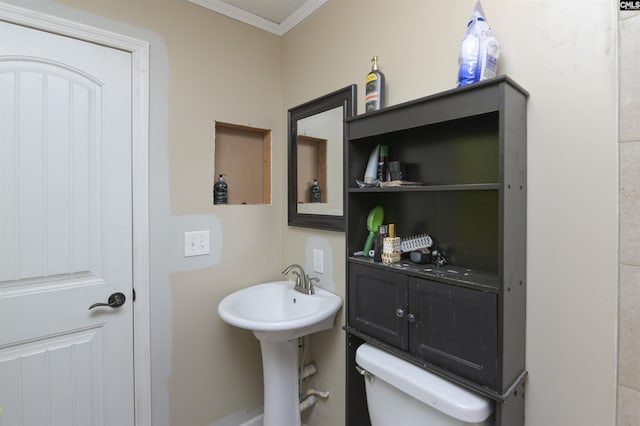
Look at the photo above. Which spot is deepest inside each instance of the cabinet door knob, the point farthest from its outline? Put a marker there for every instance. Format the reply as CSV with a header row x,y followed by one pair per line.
x,y
411,318
399,313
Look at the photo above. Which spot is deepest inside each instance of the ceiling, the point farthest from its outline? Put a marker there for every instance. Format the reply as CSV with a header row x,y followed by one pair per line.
x,y
275,16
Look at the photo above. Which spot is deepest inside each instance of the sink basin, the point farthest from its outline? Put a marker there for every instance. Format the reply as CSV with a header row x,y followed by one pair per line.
x,y
277,315
275,312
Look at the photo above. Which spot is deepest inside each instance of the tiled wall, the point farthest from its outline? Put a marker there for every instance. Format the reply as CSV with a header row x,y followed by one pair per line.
x,y
629,307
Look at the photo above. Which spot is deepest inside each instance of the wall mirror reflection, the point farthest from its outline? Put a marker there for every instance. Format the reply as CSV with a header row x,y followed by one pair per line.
x,y
316,143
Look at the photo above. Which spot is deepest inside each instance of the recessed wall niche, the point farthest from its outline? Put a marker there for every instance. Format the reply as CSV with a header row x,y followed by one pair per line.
x,y
242,154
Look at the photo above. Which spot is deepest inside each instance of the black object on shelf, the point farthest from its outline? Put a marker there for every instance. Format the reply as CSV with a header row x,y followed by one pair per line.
x,y
315,193
220,191
397,170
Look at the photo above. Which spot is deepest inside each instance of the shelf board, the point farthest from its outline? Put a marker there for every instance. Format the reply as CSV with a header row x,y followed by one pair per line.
x,y
474,99
432,188
450,274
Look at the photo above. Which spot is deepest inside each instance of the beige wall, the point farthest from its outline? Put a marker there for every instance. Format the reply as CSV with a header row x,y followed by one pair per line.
x,y
564,54
205,67
629,315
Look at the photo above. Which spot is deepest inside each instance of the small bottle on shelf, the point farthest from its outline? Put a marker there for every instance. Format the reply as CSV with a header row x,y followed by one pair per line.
x,y
391,246
220,191
374,88
379,242
315,193
383,166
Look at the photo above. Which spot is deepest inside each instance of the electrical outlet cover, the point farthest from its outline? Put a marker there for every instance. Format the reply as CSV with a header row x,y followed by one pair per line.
x,y
196,243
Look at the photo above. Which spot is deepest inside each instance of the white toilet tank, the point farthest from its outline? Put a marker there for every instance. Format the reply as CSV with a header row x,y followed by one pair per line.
x,y
401,393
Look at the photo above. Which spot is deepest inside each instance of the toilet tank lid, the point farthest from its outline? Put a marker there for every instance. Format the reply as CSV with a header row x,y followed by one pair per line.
x,y
442,395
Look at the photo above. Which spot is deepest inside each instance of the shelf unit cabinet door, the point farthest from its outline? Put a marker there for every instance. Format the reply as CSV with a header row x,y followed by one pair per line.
x,y
378,303
455,328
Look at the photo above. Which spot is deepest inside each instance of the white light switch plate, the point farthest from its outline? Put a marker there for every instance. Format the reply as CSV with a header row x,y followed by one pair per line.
x,y
318,261
196,243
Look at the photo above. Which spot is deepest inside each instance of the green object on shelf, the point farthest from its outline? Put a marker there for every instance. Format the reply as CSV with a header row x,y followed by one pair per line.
x,y
374,220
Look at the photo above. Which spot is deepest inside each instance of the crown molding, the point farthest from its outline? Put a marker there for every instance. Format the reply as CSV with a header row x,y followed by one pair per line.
x,y
241,15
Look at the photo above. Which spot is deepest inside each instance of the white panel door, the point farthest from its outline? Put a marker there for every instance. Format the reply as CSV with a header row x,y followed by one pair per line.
x,y
65,231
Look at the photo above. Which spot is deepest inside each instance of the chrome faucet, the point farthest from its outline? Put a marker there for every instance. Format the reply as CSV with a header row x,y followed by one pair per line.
x,y
304,283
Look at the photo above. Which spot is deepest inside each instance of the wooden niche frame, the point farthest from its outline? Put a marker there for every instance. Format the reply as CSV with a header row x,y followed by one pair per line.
x,y
243,155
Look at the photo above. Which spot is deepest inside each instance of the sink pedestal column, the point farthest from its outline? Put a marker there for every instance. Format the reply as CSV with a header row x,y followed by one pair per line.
x,y
280,370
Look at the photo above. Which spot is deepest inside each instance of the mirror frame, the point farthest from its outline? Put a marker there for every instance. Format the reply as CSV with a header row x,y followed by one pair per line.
x,y
345,98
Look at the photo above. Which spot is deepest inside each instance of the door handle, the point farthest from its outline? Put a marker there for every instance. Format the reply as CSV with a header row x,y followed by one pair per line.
x,y
115,301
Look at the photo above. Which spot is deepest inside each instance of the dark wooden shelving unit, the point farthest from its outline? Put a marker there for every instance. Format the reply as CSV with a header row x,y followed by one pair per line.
x,y
465,320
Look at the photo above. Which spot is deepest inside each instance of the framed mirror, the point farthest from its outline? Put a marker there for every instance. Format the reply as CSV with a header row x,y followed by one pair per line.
x,y
316,142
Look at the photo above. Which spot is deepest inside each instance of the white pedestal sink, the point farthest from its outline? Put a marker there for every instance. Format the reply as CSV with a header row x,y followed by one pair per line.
x,y
277,315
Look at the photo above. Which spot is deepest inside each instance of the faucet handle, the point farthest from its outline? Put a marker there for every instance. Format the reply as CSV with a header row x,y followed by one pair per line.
x,y
310,281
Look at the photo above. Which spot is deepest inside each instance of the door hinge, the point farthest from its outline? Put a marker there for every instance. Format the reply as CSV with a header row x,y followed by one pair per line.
x,y
134,295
